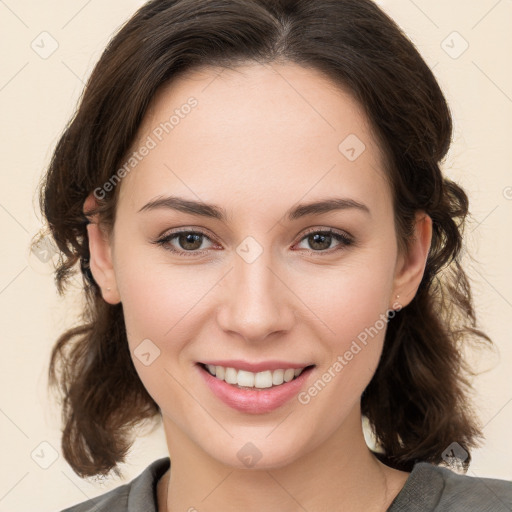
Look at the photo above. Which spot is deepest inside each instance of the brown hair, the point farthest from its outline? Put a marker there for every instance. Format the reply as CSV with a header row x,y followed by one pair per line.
x,y
418,400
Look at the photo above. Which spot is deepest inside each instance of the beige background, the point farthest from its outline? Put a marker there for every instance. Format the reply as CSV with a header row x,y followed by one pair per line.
x,y
38,95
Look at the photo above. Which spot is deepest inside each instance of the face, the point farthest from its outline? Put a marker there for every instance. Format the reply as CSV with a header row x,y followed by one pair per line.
x,y
257,277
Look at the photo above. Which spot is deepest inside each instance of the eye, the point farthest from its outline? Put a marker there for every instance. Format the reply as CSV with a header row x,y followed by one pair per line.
x,y
188,242
321,240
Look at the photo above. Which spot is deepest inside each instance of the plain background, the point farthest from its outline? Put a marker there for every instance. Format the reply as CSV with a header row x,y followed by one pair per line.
x,y
468,46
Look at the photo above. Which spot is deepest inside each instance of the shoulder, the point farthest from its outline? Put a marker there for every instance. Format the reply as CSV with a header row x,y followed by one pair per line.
x,y
471,492
139,494
435,488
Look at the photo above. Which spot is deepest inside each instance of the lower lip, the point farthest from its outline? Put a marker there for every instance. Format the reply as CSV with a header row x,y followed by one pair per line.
x,y
254,401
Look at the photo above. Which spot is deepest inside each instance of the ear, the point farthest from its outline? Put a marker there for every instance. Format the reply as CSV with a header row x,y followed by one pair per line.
x,y
100,260
410,267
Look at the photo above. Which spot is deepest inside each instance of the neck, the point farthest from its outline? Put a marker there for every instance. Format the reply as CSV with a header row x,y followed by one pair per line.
x,y
341,474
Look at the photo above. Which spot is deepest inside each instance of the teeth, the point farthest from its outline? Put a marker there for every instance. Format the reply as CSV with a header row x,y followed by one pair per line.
x,y
245,379
277,377
289,374
230,376
260,380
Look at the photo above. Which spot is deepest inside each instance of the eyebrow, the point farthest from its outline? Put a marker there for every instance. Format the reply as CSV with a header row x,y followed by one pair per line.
x,y
216,212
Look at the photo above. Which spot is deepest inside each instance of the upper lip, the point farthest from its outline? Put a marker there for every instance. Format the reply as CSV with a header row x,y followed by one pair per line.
x,y
257,367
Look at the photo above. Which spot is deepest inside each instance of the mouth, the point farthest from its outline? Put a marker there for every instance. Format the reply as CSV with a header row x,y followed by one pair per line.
x,y
266,379
255,393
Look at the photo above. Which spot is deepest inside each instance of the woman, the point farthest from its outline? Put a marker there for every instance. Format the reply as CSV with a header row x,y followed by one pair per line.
x,y
270,252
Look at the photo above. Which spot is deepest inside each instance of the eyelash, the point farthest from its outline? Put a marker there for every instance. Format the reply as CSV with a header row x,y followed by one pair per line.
x,y
345,240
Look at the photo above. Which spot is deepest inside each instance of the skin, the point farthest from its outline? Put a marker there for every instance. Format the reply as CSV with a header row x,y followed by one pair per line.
x,y
261,140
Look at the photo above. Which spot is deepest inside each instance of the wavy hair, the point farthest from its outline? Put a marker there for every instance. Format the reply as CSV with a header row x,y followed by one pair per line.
x,y
418,401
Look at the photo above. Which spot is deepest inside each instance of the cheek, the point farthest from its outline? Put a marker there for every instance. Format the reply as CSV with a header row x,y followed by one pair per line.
x,y
357,328
158,307
159,299
354,315
352,307
351,298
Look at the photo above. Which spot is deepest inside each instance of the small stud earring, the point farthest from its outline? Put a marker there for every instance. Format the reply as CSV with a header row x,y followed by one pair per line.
x,y
108,289
398,296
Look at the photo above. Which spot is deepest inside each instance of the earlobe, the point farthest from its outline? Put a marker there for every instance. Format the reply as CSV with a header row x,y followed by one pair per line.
x,y
411,266
100,260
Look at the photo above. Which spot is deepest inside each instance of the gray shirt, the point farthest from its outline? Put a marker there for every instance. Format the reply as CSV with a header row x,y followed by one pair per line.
x,y
429,488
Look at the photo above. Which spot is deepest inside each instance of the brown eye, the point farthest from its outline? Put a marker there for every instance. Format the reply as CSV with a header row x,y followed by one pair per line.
x,y
320,241
187,243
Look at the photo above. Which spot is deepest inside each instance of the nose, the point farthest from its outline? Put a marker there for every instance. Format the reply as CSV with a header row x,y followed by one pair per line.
x,y
257,301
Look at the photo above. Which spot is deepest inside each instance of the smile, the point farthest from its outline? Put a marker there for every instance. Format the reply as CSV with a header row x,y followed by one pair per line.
x,y
254,392
248,380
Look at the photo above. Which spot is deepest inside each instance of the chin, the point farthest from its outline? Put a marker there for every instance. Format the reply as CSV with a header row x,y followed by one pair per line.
x,y
256,454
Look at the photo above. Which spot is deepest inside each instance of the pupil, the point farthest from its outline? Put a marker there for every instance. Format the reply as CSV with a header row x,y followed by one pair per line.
x,y
190,238
318,239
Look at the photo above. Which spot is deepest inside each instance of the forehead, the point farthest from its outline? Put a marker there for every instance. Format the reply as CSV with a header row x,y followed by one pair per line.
x,y
251,132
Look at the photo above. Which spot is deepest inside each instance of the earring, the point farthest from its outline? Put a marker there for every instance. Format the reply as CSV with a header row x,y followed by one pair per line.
x,y
391,307
108,289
